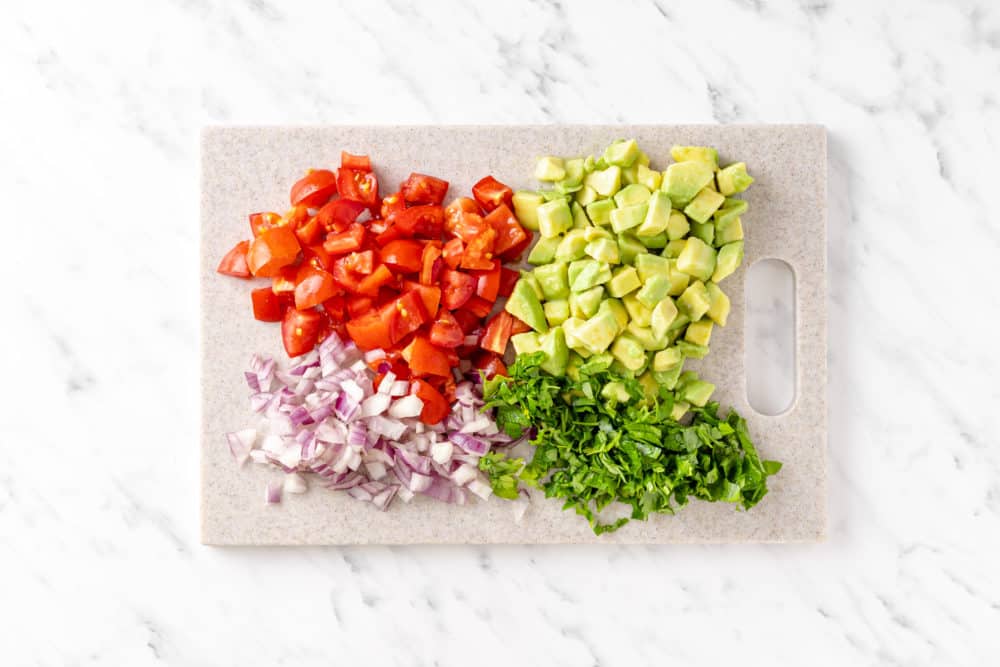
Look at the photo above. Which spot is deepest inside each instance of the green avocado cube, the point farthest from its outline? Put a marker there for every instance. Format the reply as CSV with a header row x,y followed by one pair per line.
x,y
655,242
639,313
692,350
704,154
648,385
526,343
544,251
682,181
594,233
705,203
730,258
664,360
563,187
629,247
733,179
649,265
630,175
677,226
700,332
704,231
599,211
618,310
550,168
622,153
733,208
680,322
526,205
718,311
598,332
556,352
628,217
679,409
623,281
668,379
697,259
648,177
574,172
678,280
616,392
575,361
662,316
697,392
580,219
603,250
552,278
556,312
529,279
629,352
552,195
657,215
727,231
523,304
605,182
645,335
587,273
654,290
585,196
554,218
631,195
585,304
571,246
694,302
673,248
570,327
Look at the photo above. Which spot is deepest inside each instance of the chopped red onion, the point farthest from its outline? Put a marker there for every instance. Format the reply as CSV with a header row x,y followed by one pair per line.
x,y
295,483
272,494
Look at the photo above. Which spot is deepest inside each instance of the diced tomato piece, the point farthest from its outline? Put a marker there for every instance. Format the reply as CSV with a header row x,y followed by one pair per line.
x,y
357,185
491,193
426,221
369,285
370,331
403,255
508,278
268,306
336,307
467,321
445,332
478,306
435,408
488,282
235,261
261,222
284,283
316,256
517,326
456,288
271,250
314,189
431,263
300,330
346,241
313,287
339,214
296,216
423,189
469,226
456,210
452,253
426,359
310,232
361,263
406,315
429,294
497,333
509,231
514,253
392,205
490,364
479,252
359,162
358,305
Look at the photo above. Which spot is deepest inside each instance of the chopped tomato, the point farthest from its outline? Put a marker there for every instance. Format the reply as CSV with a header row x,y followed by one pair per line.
x,y
479,252
359,162
346,241
508,278
514,253
260,222
509,231
392,205
467,321
339,214
314,286
358,305
456,288
235,261
423,189
426,221
336,307
300,330
268,306
271,250
285,281
491,193
497,333
370,284
314,189
360,262
430,263
403,255
370,331
478,306
426,359
310,232
407,314
316,256
430,295
445,332
518,326
488,282
357,185
452,253
490,364
454,212
296,216
435,406
469,226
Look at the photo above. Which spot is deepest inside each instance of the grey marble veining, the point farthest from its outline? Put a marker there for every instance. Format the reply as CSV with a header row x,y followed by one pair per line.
x,y
98,429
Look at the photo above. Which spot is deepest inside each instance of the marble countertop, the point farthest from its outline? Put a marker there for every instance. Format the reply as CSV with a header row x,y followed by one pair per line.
x,y
99,556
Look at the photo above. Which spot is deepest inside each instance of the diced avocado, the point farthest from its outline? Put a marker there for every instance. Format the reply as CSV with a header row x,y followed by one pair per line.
x,y
630,175
694,302
629,247
655,242
657,215
598,332
571,246
730,257
567,188
639,313
700,332
523,304
544,251
603,250
719,310
550,168
554,218
733,208
650,265
642,158
574,172
528,278
605,182
588,164
574,363
673,249
705,154
683,180
679,409
692,350
585,195
552,195
623,281
704,231
526,205
556,312
680,322
628,217
678,280
727,231
663,315
622,153
733,179
526,343
557,352
697,392
617,310
580,219
646,337
653,291
599,211
677,226
593,233
570,328
697,259
649,385
664,360
587,273
631,195
705,203
615,391
553,281
585,304
646,176
668,379
629,352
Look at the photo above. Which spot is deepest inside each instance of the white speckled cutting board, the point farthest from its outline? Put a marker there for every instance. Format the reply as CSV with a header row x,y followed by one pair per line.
x,y
251,169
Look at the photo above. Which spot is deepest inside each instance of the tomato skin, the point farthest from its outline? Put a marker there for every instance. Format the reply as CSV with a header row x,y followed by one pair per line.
x,y
435,406
424,189
491,193
497,333
284,283
272,250
426,359
478,306
362,263
488,282
406,315
456,210
358,186
235,262
369,285
339,214
336,308
479,252
300,330
358,305
403,255
468,227
456,288
446,332
490,364
392,205
268,306
310,232
313,287
509,232
359,162
370,331
514,253
314,189
431,263
452,253
517,326
346,241
508,278
426,220
260,222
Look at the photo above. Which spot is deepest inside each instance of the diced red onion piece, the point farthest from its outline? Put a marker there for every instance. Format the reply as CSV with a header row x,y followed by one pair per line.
x,y
295,483
241,443
406,406
272,494
399,388
464,474
480,487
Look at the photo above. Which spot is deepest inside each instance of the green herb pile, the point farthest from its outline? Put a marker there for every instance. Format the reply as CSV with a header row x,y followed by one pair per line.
x,y
592,451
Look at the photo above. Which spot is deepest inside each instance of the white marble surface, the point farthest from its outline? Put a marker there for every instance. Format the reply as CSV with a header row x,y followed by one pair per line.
x,y
102,102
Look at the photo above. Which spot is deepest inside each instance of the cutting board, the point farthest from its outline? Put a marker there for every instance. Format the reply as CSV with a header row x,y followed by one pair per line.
x,y
246,169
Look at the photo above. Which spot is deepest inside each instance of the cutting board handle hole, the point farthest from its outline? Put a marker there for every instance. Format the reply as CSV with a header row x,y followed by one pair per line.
x,y
769,355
